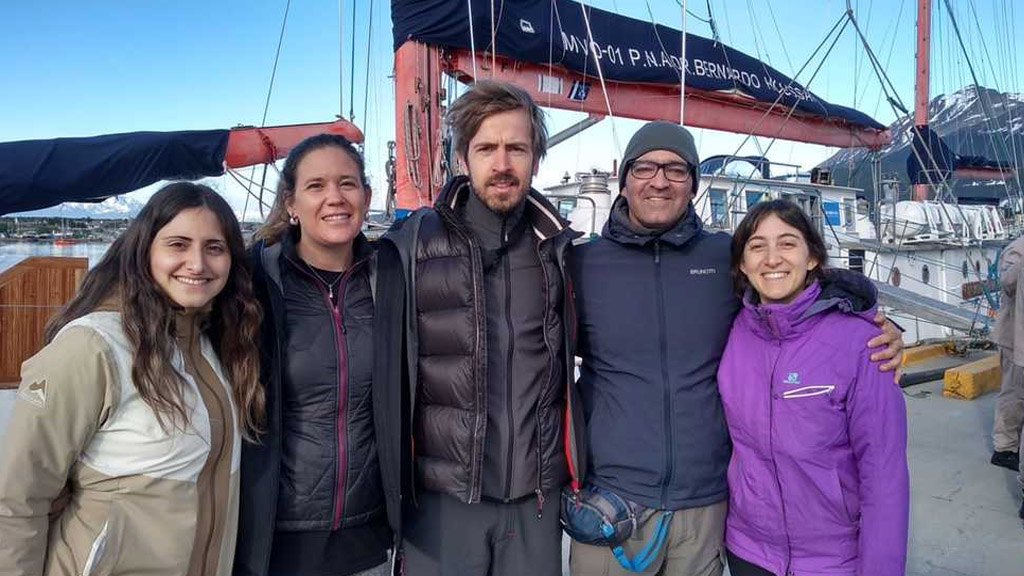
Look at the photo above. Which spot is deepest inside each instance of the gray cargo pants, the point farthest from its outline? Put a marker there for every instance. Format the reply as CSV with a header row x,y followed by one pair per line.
x,y
1009,405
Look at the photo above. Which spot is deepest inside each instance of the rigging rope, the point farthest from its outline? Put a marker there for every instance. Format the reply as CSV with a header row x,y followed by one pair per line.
x,y
600,75
472,37
989,113
782,43
494,45
366,87
711,23
843,21
352,70
989,120
892,45
895,100
266,108
688,11
341,59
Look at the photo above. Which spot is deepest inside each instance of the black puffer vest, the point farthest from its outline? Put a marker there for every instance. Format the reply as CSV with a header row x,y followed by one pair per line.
x,y
448,356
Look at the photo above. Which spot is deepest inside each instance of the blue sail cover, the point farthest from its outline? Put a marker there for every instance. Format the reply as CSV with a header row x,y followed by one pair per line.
x,y
41,173
930,159
630,50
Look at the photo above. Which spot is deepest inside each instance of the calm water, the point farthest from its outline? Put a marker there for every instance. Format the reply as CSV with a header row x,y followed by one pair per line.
x,y
12,253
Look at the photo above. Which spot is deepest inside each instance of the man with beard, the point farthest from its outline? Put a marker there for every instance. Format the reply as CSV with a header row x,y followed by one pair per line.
x,y
473,381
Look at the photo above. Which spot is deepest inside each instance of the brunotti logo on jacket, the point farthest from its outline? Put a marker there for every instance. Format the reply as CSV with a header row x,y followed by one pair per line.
x,y
703,271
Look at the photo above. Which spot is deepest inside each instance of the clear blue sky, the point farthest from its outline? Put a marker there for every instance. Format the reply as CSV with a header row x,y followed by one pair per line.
x,y
74,68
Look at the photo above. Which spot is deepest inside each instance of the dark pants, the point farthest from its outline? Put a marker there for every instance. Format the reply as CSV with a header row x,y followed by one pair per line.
x,y
740,567
447,537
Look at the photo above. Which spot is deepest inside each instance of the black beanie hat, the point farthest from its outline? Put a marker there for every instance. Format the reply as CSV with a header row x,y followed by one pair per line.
x,y
660,135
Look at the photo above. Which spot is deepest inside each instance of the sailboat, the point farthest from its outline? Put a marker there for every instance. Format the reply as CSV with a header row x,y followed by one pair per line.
x,y
933,259
574,57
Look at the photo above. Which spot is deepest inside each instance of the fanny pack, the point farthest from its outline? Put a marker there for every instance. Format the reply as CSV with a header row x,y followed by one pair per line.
x,y
600,517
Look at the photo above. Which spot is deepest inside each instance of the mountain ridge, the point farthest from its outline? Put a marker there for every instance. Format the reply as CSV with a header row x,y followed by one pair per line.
x,y
960,118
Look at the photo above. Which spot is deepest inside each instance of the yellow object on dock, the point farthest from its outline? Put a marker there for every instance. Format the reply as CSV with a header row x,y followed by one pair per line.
x,y
969,381
921,353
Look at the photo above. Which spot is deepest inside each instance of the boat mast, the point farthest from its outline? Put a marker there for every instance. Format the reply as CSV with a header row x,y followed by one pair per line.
x,y
924,23
682,65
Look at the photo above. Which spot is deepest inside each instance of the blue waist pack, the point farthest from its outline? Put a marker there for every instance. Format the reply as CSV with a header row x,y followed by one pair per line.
x,y
600,517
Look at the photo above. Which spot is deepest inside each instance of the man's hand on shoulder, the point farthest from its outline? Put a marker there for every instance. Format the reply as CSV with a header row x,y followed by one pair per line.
x,y
891,341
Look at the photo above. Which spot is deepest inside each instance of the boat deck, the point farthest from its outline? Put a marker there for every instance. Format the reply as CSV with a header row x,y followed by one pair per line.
x,y
963,509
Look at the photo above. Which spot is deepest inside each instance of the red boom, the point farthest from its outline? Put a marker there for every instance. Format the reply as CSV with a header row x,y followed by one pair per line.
x,y
250,145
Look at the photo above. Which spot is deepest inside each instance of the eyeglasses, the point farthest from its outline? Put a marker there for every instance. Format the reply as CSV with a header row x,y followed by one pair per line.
x,y
674,171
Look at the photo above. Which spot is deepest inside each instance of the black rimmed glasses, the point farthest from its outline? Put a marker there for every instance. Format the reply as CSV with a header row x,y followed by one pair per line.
x,y
674,171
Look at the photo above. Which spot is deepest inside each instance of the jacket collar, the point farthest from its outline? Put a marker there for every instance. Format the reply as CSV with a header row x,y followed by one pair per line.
x,y
189,324
621,230
270,256
542,217
780,321
361,248
842,290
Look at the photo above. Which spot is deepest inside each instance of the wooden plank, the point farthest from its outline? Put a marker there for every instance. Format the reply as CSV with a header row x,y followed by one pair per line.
x,y
970,381
917,354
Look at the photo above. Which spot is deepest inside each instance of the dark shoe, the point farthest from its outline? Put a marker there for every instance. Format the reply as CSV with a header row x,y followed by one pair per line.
x,y
1006,459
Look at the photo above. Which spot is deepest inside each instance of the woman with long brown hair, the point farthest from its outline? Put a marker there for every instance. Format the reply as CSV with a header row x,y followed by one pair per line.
x,y
122,453
312,501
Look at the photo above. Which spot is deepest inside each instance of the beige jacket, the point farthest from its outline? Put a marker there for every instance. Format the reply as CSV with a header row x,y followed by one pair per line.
x,y
1009,330
140,500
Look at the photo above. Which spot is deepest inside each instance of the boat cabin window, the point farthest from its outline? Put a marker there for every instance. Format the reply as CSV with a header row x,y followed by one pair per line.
x,y
966,270
850,213
857,261
811,205
719,208
754,197
925,274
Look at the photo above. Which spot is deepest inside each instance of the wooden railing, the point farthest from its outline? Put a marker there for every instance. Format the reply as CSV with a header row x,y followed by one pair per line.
x,y
30,293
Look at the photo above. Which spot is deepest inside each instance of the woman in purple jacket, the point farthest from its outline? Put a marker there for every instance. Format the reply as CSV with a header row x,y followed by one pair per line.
x,y
818,481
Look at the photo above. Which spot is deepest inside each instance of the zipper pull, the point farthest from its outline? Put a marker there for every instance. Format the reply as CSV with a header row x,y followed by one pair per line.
x,y
657,251
330,292
540,503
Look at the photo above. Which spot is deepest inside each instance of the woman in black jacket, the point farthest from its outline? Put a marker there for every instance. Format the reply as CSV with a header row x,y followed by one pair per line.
x,y
311,497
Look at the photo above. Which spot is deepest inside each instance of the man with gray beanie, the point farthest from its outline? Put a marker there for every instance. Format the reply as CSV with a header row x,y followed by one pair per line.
x,y
655,304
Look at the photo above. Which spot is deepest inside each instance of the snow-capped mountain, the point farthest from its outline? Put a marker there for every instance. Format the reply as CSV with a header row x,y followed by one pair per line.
x,y
961,120
113,208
